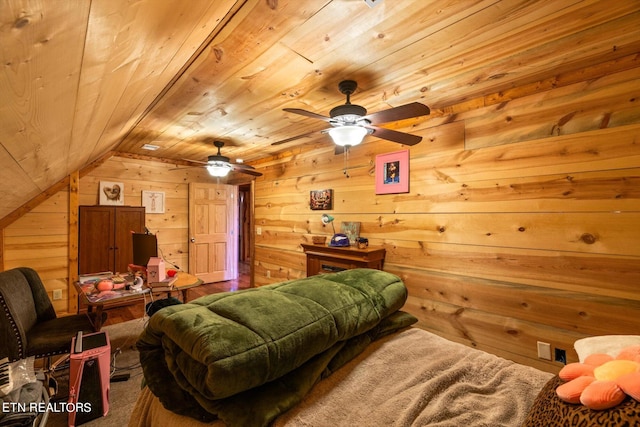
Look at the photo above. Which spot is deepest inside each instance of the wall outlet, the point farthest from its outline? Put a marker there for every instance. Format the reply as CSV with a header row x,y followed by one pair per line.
x,y
268,274
259,231
57,294
544,350
560,356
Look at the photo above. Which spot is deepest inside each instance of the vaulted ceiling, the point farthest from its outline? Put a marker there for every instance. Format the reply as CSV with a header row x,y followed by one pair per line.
x,y
83,78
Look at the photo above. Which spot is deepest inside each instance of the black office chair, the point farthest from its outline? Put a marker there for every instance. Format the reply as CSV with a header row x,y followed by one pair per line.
x,y
28,323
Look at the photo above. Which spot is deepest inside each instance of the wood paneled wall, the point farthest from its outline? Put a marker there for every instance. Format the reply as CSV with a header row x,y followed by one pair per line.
x,y
521,224
40,238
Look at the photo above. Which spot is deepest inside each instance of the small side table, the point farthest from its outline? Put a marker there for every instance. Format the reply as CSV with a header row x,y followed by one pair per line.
x,y
327,259
185,282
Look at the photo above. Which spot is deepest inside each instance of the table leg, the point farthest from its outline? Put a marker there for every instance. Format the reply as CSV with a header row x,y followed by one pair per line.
x,y
97,324
184,295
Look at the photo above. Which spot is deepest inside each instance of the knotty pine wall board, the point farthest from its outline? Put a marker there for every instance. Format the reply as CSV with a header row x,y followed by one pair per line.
x,y
496,334
530,303
40,240
609,101
604,275
601,191
601,233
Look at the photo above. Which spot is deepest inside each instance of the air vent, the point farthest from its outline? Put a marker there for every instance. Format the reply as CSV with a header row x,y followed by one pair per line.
x,y
150,147
372,3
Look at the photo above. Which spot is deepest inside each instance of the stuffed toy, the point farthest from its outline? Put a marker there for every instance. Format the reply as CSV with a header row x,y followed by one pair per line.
x,y
602,381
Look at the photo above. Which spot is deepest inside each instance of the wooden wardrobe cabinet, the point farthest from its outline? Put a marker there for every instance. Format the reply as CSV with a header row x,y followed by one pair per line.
x,y
104,237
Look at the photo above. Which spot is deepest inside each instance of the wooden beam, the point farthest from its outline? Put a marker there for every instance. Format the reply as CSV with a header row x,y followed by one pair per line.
x,y
51,191
33,203
153,159
74,187
96,163
2,249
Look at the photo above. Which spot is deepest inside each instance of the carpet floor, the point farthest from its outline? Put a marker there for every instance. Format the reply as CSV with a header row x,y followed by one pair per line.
x,y
123,394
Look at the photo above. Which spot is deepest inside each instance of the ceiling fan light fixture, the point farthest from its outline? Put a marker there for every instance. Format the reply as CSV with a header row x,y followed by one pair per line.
x,y
219,169
347,135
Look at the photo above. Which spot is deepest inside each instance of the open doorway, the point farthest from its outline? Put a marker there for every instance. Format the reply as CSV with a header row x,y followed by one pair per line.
x,y
245,235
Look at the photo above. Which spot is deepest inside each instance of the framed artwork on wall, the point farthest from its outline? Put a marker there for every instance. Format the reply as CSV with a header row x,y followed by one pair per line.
x,y
153,201
392,172
351,230
321,200
111,193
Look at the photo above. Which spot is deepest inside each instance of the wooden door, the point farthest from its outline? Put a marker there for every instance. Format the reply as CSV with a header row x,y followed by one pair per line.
x,y
95,239
213,219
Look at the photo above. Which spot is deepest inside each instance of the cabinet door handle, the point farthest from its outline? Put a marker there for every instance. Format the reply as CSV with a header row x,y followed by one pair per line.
x,y
193,240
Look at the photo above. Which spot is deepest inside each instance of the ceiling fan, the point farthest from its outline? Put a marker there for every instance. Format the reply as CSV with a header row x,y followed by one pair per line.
x,y
351,123
219,165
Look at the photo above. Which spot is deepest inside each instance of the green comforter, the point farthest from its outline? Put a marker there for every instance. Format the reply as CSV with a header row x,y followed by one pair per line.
x,y
247,356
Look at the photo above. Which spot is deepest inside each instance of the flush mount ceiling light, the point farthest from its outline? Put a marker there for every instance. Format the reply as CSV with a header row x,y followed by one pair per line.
x,y
347,135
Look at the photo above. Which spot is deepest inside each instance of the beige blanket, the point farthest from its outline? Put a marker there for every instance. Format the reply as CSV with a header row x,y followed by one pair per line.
x,y
412,378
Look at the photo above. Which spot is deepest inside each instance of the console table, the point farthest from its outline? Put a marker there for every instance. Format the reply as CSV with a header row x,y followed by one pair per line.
x,y
327,259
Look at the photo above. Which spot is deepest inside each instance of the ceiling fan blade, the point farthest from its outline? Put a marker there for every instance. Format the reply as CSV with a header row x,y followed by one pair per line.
x,y
195,161
293,138
306,113
249,170
395,136
407,111
178,168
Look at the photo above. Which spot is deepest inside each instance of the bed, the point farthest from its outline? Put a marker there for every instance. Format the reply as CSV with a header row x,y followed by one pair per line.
x,y
329,350
409,378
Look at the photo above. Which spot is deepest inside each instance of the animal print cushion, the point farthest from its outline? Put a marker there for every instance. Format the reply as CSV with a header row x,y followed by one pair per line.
x,y
549,411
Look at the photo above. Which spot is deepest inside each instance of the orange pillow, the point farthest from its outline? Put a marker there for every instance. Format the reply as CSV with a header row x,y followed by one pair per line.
x,y
575,370
570,392
598,359
602,394
630,353
602,382
630,384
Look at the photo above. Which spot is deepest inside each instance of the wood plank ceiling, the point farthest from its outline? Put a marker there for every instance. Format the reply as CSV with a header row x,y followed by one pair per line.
x,y
80,79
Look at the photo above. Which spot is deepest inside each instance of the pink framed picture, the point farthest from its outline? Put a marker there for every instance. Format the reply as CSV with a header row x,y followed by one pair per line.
x,y
392,172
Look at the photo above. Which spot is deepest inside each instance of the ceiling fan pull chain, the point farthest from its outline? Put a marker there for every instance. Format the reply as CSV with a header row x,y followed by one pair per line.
x,y
346,162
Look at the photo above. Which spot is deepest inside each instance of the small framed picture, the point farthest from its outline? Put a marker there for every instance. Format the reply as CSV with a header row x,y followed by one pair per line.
x,y
153,201
392,172
111,193
352,231
321,200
